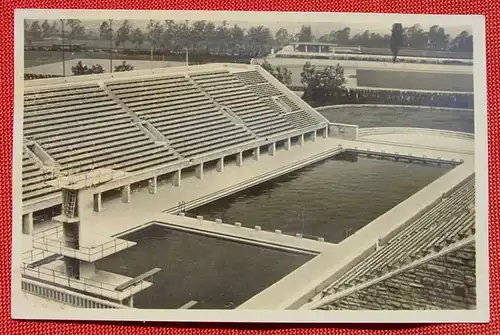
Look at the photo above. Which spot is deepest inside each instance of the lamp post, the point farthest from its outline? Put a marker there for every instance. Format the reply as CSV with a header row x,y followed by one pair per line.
x,y
110,46
187,56
62,48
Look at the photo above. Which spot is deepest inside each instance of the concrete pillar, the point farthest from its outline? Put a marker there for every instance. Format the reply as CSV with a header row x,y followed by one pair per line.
x,y
87,269
199,171
97,202
220,165
301,140
288,143
325,133
28,223
256,153
314,136
153,185
271,150
239,159
129,302
126,194
176,179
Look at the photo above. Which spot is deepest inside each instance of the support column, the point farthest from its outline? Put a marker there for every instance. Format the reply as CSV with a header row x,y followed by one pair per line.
x,y
153,185
126,193
271,150
220,164
87,269
28,223
288,143
256,153
239,159
128,301
176,179
97,202
199,171
314,136
301,140
325,133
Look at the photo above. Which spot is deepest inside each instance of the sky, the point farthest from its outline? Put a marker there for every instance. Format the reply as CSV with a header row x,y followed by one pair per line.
x,y
321,23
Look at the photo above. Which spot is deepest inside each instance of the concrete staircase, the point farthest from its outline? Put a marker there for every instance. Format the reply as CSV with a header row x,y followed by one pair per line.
x,y
145,126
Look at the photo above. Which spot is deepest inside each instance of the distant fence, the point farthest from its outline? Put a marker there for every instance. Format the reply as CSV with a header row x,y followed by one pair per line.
x,y
349,96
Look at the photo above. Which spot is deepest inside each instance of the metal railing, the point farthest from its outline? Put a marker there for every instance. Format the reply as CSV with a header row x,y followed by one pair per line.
x,y
405,130
66,297
48,240
83,284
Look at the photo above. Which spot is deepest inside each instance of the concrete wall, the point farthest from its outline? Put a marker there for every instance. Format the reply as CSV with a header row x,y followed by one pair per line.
x,y
447,282
346,131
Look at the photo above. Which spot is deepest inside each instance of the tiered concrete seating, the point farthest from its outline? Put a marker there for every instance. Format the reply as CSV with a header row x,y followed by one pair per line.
x,y
287,101
34,178
265,90
191,122
301,119
450,221
82,128
251,77
227,90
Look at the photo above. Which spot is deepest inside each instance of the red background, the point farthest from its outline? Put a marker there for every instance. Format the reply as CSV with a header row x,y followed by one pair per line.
x,y
489,8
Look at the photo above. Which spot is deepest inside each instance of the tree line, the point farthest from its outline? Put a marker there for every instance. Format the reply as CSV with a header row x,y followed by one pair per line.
x,y
206,37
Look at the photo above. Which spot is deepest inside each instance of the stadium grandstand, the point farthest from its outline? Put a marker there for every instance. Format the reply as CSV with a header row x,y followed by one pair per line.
x,y
152,123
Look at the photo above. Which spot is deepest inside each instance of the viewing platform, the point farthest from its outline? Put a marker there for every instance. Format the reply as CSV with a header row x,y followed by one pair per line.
x,y
52,240
102,283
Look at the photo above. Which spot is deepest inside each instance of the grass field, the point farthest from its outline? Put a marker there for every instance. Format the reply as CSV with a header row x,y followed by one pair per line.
x,y
456,82
35,58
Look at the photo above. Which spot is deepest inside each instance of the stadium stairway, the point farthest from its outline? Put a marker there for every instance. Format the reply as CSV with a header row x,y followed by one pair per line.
x,y
147,128
181,112
230,114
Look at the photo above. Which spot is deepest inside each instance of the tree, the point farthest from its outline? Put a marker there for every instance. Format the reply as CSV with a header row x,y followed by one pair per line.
x,y
105,31
76,30
45,29
282,74
305,34
282,37
35,31
123,34
396,41
137,38
322,85
155,32
123,67
81,69
463,42
438,39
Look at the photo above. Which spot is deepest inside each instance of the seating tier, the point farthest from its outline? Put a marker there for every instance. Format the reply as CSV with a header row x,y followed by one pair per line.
x,y
84,128
450,221
228,90
191,122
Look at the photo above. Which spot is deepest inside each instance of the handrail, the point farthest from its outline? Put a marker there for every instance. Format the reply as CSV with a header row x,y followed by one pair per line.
x,y
397,130
82,284
29,286
48,239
